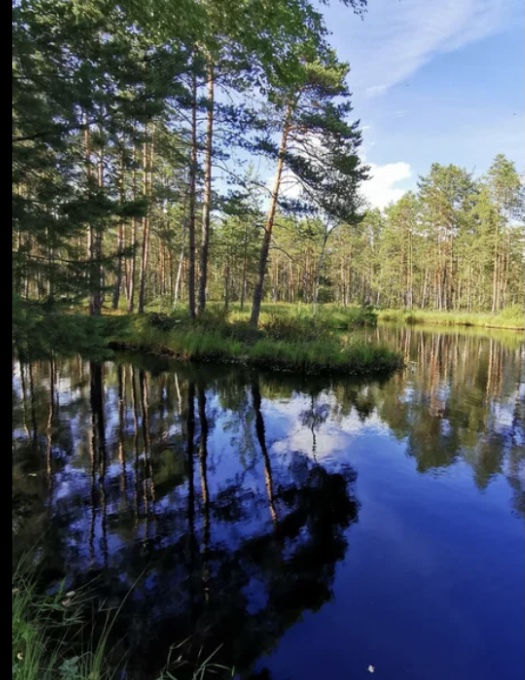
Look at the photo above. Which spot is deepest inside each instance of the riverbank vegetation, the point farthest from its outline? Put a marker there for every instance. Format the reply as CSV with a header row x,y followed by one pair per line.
x,y
287,338
292,343
512,318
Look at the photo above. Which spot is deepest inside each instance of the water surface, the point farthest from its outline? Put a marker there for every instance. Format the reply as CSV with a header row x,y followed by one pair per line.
x,y
308,527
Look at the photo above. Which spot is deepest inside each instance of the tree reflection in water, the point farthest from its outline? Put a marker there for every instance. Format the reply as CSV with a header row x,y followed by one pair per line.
x,y
166,480
232,565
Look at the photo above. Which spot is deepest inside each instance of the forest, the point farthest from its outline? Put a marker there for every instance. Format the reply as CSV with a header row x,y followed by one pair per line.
x,y
169,155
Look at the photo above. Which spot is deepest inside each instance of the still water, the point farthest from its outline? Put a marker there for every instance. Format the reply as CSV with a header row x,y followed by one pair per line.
x,y
302,527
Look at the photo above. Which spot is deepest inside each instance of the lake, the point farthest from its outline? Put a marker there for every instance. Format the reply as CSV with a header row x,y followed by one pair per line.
x,y
296,527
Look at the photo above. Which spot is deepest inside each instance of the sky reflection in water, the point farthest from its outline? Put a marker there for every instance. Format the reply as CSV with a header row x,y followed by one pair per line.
x,y
312,527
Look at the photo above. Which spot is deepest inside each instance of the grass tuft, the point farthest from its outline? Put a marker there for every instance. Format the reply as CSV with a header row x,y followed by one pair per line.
x,y
42,642
51,640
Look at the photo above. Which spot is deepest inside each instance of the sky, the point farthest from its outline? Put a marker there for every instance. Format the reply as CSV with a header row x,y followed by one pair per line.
x,y
433,81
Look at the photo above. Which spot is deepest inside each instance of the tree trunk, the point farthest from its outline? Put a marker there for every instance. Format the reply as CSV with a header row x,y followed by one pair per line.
x,y
134,242
244,266
120,243
495,301
318,273
226,288
96,298
267,237
192,199
410,272
424,291
148,176
206,208
118,277
93,236
179,275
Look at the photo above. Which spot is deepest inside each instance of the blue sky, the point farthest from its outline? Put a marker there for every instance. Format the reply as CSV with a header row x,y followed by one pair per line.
x,y
433,81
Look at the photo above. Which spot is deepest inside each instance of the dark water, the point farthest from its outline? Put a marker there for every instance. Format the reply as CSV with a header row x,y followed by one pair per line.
x,y
310,527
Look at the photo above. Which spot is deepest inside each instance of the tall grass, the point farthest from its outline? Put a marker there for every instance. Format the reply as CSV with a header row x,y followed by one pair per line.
x,y
52,640
43,644
289,337
330,316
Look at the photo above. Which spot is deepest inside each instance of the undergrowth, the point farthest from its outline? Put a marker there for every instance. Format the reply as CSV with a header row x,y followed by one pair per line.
x,y
38,332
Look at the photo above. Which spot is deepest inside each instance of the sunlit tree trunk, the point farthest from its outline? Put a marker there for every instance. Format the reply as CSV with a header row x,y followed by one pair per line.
x,y
147,161
192,199
267,236
318,272
120,240
134,241
178,278
495,274
94,237
206,208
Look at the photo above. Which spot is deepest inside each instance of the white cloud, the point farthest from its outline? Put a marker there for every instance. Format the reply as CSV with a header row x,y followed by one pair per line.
x,y
397,38
379,190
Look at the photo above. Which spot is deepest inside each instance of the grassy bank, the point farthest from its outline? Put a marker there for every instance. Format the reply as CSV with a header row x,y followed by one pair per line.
x,y
281,343
288,338
510,319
